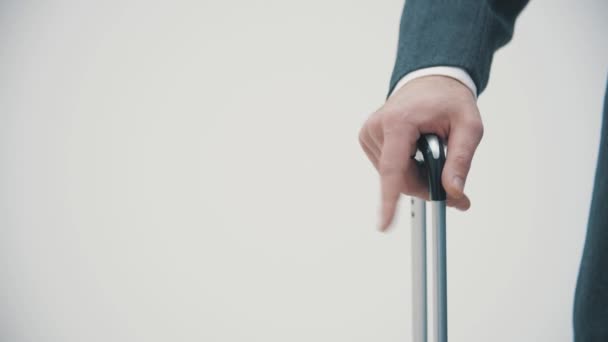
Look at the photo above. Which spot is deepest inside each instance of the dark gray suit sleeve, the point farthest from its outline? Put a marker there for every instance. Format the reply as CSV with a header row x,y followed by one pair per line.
x,y
460,33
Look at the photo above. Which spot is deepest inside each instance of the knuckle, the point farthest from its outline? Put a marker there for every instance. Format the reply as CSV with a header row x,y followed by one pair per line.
x,y
362,143
373,126
480,130
362,136
375,121
476,126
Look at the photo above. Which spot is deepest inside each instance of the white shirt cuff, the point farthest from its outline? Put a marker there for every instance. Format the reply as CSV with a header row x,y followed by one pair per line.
x,y
456,73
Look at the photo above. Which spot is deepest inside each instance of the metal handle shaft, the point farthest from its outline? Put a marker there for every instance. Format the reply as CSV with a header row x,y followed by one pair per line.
x,y
419,293
433,155
440,293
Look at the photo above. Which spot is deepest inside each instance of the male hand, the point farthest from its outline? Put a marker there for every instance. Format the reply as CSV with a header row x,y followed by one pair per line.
x,y
431,104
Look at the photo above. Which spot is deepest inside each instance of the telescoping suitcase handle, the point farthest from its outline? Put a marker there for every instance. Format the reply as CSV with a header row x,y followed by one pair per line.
x,y
432,156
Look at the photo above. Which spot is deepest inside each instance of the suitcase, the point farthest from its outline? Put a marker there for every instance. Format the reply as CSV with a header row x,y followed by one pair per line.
x,y
431,157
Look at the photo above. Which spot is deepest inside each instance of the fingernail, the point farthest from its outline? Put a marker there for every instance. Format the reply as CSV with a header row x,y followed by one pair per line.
x,y
458,183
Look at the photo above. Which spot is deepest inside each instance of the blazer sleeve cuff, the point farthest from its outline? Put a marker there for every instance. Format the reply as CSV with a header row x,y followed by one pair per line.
x,y
456,73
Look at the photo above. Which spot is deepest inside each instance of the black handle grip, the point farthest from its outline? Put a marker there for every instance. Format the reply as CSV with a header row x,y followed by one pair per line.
x,y
433,152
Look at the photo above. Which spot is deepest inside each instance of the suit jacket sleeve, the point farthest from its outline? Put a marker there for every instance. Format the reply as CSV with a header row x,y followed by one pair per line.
x,y
459,33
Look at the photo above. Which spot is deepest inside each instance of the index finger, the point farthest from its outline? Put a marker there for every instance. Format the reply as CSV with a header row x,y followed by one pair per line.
x,y
398,171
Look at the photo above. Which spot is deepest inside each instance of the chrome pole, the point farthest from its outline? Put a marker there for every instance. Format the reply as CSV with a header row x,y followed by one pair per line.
x,y
419,292
440,293
432,152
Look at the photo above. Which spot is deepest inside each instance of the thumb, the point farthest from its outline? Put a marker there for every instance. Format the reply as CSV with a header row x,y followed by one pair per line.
x,y
462,143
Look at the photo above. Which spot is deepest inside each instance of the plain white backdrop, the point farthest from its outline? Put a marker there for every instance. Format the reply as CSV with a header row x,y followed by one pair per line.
x,y
190,171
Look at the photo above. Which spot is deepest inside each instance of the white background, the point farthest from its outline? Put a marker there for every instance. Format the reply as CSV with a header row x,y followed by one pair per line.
x,y
190,171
